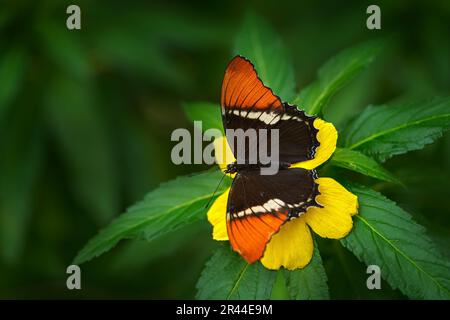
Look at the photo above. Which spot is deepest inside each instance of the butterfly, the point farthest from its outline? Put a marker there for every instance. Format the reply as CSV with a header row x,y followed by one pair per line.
x,y
258,205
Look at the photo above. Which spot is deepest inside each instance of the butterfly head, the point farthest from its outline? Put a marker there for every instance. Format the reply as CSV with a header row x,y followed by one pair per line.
x,y
237,167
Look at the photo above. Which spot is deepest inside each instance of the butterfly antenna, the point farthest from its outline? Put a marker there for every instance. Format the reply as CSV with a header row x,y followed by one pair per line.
x,y
214,193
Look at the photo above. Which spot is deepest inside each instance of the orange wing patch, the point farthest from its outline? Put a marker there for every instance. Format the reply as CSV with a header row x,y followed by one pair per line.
x,y
242,88
249,235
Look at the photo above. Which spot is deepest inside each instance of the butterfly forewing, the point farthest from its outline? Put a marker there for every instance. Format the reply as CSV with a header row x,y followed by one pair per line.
x,y
248,104
242,90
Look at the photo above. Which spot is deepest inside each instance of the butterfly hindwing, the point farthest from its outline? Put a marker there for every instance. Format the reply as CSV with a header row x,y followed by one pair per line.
x,y
258,206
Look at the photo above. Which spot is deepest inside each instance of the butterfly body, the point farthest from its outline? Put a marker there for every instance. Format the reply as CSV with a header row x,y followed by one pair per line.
x,y
239,168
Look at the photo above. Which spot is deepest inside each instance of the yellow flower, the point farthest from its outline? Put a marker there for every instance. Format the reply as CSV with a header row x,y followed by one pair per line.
x,y
292,246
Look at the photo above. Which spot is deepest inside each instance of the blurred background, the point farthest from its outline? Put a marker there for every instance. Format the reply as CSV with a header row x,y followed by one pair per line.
x,y
86,117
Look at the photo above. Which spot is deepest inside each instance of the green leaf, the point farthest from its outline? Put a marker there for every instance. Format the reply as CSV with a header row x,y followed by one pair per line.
x,y
12,70
228,276
65,49
385,235
309,283
258,42
335,74
207,112
141,42
20,163
280,290
85,145
358,162
385,131
139,253
171,206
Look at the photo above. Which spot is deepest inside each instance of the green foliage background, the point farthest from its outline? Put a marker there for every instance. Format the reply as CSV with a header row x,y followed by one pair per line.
x,y
85,123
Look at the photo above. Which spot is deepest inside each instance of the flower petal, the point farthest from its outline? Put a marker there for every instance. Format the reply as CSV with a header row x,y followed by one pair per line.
x,y
327,137
222,151
217,217
291,247
334,220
